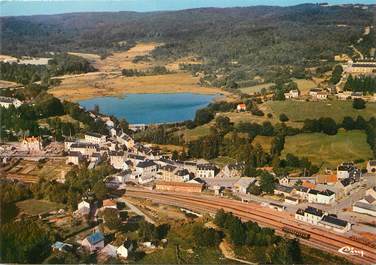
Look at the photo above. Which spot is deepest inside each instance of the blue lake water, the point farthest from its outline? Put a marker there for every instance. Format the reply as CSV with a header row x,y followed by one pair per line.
x,y
151,108
39,7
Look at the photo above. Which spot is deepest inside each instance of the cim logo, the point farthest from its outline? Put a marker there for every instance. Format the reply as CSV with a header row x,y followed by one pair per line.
x,y
346,250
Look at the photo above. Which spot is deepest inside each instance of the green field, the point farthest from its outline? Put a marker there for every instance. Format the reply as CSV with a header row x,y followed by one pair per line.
x,y
301,110
330,150
264,141
35,207
257,88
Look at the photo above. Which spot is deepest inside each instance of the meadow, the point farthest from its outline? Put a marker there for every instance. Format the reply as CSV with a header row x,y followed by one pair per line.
x,y
327,150
298,111
35,207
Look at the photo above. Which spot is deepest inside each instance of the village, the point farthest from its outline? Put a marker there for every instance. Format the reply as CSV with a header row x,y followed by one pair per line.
x,y
341,200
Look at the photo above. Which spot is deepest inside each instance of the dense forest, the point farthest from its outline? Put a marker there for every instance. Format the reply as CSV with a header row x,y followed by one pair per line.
x,y
235,44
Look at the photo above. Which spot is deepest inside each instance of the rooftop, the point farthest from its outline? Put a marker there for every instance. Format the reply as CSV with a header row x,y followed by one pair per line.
x,y
334,221
145,164
95,238
314,211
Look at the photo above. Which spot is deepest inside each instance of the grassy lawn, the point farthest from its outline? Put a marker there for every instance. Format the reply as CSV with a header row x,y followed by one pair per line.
x,y
197,132
301,110
330,150
257,88
222,161
315,256
237,117
264,141
305,85
34,207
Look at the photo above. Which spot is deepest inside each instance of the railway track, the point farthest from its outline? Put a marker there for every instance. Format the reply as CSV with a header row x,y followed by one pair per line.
x,y
319,238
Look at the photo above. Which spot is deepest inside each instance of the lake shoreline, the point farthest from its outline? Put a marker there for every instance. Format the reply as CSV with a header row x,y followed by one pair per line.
x,y
152,108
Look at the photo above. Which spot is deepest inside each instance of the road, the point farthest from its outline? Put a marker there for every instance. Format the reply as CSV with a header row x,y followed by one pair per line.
x,y
320,238
136,210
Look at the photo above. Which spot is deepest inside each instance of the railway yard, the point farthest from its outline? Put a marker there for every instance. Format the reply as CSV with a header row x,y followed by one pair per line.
x,y
356,251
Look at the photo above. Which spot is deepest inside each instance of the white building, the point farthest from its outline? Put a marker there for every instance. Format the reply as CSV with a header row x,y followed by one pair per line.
x,y
294,93
6,102
146,166
206,171
117,159
326,197
335,224
95,138
364,208
83,208
310,215
74,158
124,250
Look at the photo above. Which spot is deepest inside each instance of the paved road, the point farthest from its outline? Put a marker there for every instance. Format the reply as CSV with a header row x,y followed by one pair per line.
x,y
136,210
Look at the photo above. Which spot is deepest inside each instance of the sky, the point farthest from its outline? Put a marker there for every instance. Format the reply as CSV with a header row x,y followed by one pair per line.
x,y
47,7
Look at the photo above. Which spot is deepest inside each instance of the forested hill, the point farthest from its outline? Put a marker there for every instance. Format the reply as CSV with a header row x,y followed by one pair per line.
x,y
251,37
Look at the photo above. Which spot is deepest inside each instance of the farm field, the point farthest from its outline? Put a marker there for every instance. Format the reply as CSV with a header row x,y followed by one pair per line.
x,y
35,207
194,134
298,111
329,150
87,86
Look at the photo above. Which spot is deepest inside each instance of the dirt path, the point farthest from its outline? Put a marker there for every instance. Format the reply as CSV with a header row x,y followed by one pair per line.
x,y
227,251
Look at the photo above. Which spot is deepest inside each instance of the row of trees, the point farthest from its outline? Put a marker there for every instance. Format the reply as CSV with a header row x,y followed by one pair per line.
x,y
156,70
365,84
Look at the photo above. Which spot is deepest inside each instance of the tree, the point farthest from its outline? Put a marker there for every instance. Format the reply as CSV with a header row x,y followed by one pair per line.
x,y
205,237
203,116
283,117
348,123
111,218
328,126
223,124
267,182
254,189
100,190
124,125
220,218
336,74
359,103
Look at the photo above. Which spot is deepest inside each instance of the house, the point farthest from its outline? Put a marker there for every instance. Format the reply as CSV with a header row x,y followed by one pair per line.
x,y
284,181
83,208
117,159
168,172
124,250
145,178
93,242
241,107
126,140
61,246
364,208
343,170
241,186
294,93
74,158
233,170
6,102
356,95
108,203
147,166
344,95
291,200
84,148
109,251
32,144
179,186
312,196
136,158
364,66
95,138
322,95
183,175
371,166
326,197
302,192
283,190
337,225
68,143
328,179
345,185
206,171
311,215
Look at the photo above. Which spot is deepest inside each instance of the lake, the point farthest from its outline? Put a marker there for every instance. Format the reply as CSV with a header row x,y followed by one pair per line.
x,y
151,108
